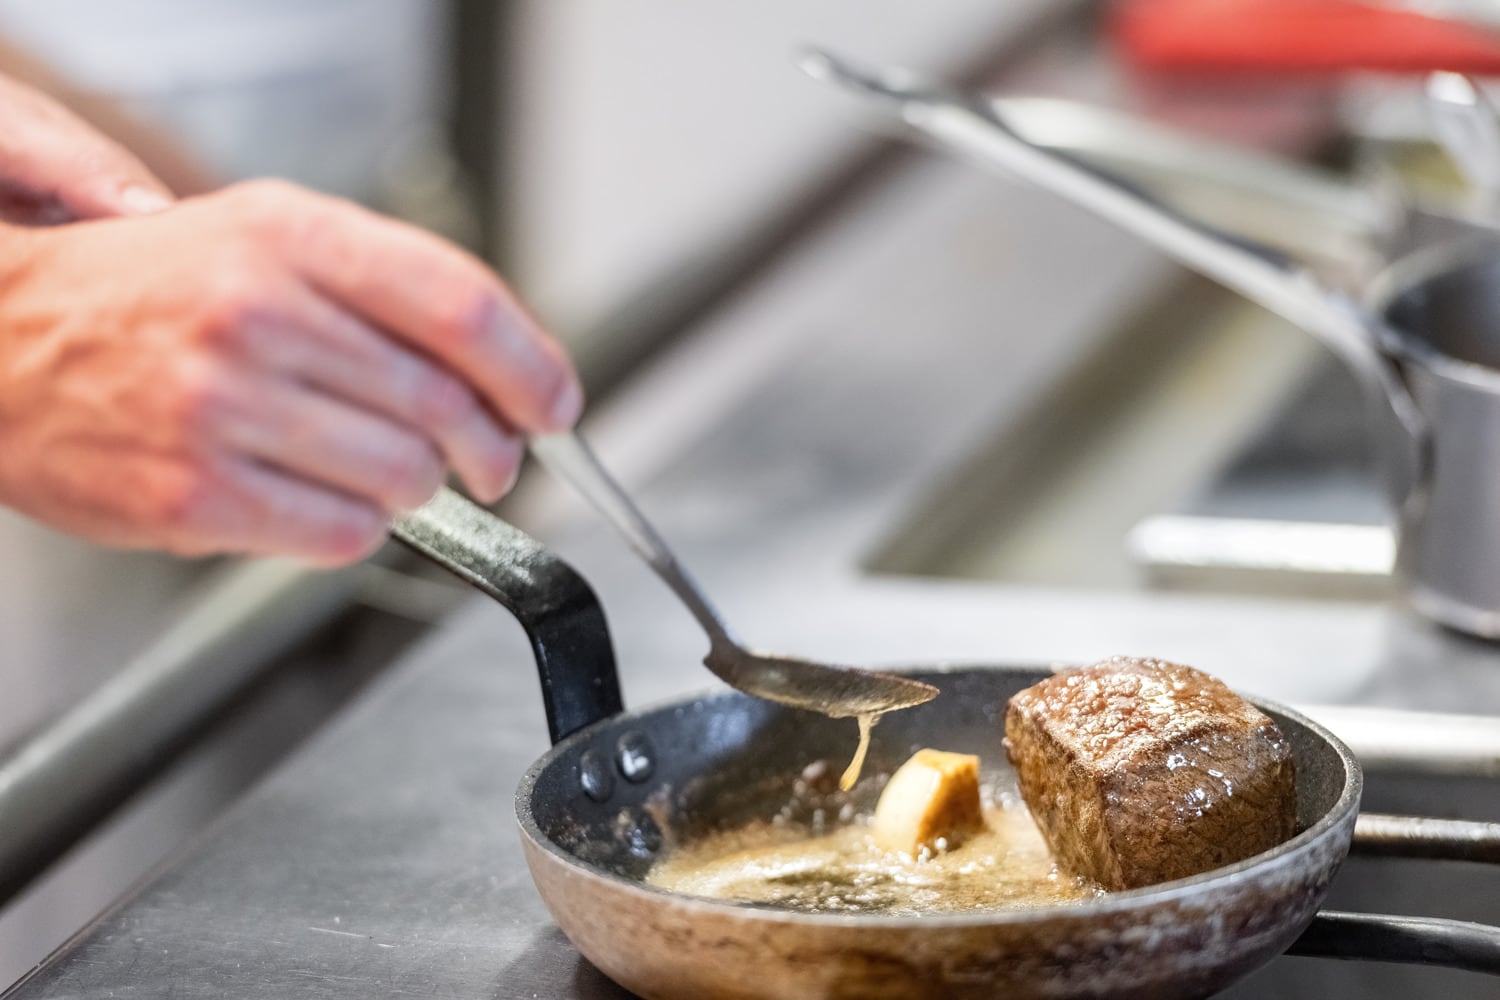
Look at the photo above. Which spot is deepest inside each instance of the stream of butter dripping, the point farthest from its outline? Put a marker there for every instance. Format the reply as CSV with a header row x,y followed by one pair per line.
x,y
851,773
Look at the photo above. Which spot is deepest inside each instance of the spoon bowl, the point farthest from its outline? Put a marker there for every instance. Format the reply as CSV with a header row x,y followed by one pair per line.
x,y
836,690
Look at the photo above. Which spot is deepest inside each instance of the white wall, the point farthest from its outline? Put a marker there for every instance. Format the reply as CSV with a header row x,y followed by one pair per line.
x,y
644,129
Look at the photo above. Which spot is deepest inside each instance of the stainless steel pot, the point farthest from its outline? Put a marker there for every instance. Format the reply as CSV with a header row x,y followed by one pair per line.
x,y
618,788
1439,324
1425,343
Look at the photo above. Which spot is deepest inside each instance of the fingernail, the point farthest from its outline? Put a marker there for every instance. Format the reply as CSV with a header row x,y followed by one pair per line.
x,y
488,491
568,405
137,200
511,480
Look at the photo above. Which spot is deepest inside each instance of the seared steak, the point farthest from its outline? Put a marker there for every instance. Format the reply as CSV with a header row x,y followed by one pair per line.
x,y
1140,771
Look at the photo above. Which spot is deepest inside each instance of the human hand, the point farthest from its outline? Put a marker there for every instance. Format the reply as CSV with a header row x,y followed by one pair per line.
x,y
260,370
55,168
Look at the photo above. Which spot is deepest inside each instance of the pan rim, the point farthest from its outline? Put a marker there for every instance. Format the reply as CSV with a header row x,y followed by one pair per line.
x,y
1340,814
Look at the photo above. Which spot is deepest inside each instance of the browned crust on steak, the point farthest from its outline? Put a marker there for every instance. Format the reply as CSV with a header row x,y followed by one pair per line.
x,y
1142,771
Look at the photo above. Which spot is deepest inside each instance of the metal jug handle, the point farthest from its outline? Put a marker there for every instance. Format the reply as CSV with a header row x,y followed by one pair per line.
x,y
978,131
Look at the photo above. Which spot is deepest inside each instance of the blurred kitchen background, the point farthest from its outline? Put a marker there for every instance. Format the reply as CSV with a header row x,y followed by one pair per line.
x,y
630,167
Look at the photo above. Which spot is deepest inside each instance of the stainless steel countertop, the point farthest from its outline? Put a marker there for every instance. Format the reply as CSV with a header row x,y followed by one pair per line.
x,y
775,448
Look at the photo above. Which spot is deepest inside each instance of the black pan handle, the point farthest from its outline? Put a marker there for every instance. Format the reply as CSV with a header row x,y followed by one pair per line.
x,y
554,604
1381,937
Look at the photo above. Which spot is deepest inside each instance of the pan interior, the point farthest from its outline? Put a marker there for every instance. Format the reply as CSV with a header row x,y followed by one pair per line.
x,y
723,761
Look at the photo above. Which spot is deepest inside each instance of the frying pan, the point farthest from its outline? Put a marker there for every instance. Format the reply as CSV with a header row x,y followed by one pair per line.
x,y
618,788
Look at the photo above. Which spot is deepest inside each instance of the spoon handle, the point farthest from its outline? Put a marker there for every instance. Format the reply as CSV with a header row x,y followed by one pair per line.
x,y
568,458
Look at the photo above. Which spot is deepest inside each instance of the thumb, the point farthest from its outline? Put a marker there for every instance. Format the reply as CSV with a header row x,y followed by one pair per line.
x,y
116,192
92,176
57,157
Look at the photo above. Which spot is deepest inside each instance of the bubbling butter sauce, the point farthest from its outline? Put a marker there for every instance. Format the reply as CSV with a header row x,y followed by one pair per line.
x,y
843,871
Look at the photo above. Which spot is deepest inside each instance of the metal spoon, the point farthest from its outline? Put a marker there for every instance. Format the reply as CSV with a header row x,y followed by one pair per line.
x,y
835,690
1469,130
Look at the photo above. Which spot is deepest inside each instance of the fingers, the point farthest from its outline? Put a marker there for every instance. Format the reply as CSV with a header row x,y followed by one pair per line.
x,y
326,347
264,511
324,440
65,166
194,506
443,302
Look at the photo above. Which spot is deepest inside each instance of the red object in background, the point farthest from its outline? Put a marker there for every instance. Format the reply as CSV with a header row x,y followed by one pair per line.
x,y
1307,36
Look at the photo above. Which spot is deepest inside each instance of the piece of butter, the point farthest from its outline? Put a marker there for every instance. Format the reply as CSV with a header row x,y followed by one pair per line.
x,y
931,802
